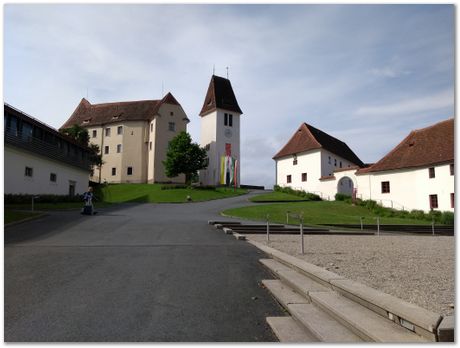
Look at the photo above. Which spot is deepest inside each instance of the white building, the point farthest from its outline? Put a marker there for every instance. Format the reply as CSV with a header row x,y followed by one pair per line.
x,y
40,160
132,136
416,174
220,134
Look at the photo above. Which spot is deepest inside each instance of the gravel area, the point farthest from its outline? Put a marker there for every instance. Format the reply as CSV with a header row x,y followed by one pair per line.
x,y
417,269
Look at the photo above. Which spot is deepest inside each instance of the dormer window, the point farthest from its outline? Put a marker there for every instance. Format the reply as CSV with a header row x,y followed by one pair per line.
x,y
294,161
86,121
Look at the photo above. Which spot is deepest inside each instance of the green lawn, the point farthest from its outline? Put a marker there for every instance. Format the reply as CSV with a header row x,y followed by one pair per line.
x,y
276,197
13,216
152,193
316,213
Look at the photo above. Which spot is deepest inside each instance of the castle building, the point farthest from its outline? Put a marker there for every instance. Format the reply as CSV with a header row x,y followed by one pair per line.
x,y
40,160
220,134
132,136
417,174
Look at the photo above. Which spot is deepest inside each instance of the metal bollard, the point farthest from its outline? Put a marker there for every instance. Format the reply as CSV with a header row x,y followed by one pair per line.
x,y
378,225
287,217
268,228
361,221
432,226
301,236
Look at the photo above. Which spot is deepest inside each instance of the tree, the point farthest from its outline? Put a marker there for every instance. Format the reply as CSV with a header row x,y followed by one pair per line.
x,y
81,135
184,157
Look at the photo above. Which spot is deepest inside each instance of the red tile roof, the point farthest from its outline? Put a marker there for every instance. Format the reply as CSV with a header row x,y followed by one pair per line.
x,y
310,138
87,114
220,95
422,147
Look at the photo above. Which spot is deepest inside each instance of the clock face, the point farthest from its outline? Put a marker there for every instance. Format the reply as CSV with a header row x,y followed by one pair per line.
x,y
228,133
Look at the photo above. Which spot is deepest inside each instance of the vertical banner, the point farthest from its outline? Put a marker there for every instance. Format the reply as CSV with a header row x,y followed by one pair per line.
x,y
235,175
222,170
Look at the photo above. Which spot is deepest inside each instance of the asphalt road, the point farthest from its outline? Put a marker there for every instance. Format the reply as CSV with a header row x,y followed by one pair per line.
x,y
145,272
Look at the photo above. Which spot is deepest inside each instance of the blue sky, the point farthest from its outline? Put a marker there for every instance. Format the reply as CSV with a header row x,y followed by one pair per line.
x,y
366,74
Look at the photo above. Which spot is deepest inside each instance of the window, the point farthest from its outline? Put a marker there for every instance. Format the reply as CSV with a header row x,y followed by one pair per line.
x,y
431,172
107,132
294,161
29,172
94,133
329,159
230,120
106,150
119,148
130,171
289,179
452,169
150,146
452,200
114,171
433,201
53,177
340,164
120,130
335,162
171,113
304,176
225,119
385,187
151,127
172,126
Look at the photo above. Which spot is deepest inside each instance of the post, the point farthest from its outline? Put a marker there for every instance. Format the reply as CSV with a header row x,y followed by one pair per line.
x,y
432,226
301,235
268,228
361,220
378,225
287,217
33,197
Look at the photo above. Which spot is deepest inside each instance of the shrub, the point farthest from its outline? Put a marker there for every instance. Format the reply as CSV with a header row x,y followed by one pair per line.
x,y
300,193
447,218
27,198
341,197
206,187
173,187
417,214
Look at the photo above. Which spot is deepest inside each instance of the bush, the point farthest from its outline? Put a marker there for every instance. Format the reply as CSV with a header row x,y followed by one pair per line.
x,y
447,218
206,187
173,187
27,198
417,214
342,197
300,193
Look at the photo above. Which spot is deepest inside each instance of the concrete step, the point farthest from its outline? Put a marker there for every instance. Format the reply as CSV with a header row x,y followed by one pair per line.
x,y
283,293
322,326
289,331
362,321
297,281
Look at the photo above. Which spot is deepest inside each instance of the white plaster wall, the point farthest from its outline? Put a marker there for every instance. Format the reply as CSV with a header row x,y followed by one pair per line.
x,y
208,134
327,168
16,182
410,188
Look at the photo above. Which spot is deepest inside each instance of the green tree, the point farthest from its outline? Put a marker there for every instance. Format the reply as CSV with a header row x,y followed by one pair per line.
x,y
81,135
184,157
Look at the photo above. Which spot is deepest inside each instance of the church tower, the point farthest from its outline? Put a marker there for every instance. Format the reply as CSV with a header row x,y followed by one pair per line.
x,y
220,134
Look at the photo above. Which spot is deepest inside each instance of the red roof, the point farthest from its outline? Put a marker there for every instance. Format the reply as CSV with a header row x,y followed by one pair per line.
x,y
310,138
220,95
422,147
87,114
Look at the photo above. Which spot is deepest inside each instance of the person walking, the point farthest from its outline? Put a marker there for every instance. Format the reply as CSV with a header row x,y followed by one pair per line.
x,y
88,197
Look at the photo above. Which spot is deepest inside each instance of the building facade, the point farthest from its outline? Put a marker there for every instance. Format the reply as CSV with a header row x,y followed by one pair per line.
x,y
40,160
416,174
220,134
132,136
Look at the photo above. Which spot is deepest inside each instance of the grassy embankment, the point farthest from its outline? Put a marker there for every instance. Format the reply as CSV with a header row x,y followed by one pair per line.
x,y
315,212
13,216
276,197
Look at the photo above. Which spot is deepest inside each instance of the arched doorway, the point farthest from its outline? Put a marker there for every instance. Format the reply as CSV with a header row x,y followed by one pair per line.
x,y
345,186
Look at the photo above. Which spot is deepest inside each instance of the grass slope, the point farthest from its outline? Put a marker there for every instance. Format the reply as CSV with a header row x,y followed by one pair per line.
x,y
152,193
55,206
276,197
316,213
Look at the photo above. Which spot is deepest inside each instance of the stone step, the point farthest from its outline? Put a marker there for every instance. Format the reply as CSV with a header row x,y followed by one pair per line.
x,y
362,321
322,326
289,331
283,293
297,281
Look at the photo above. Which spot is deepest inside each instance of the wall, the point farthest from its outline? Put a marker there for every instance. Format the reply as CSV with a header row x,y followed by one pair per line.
x,y
208,122
16,182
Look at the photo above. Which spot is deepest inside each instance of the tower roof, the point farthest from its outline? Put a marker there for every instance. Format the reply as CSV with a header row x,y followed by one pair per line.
x,y
422,147
220,95
310,138
88,114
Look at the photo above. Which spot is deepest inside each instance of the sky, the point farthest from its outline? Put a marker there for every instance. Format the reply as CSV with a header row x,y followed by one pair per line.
x,y
365,74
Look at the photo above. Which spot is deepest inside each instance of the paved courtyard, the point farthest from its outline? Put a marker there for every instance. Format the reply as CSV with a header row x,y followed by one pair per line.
x,y
146,272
